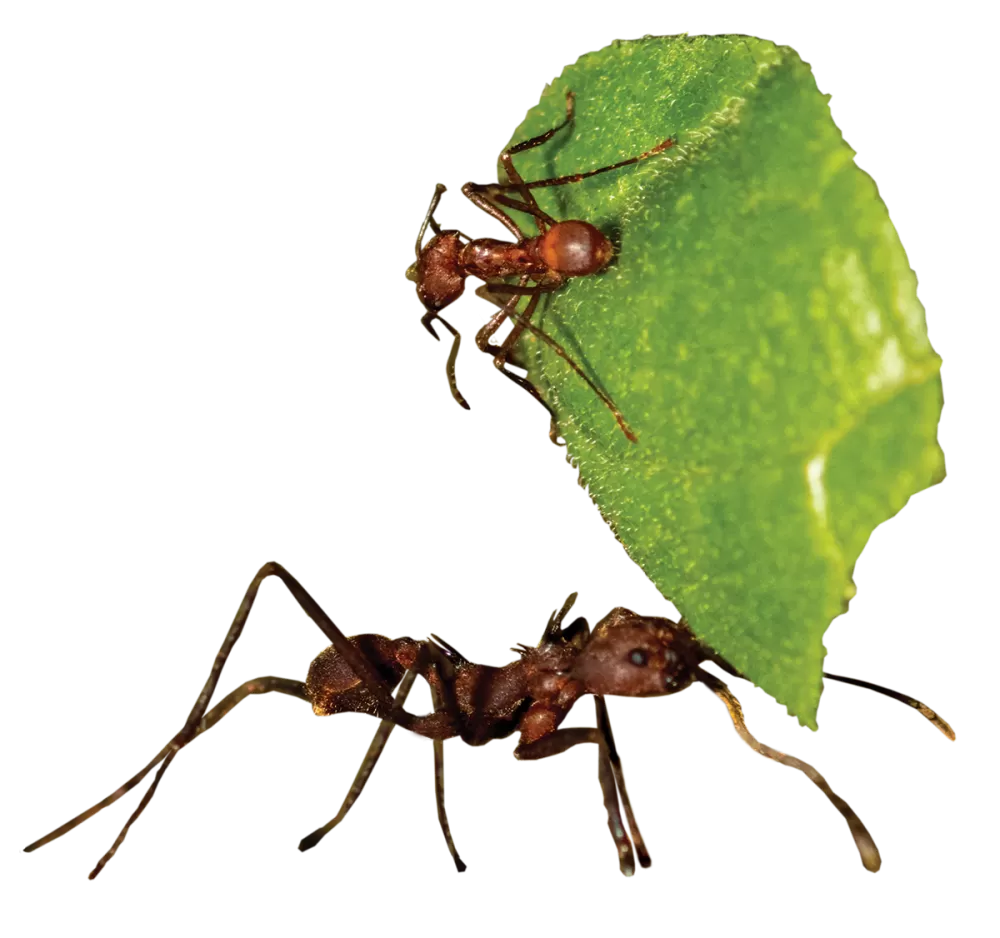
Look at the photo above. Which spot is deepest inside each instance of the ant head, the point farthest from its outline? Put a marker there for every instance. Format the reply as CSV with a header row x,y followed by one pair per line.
x,y
637,656
575,248
436,271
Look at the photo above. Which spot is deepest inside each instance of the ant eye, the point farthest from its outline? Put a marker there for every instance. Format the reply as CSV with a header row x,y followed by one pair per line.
x,y
638,657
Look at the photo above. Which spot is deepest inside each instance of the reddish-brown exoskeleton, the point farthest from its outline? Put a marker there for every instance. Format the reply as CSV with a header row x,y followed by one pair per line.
x,y
626,654
560,250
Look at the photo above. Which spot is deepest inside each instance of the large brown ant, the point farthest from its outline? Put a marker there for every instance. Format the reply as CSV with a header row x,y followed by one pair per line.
x,y
626,654
560,250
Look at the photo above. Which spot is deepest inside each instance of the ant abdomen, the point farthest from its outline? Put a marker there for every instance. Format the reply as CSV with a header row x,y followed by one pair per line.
x,y
333,687
575,248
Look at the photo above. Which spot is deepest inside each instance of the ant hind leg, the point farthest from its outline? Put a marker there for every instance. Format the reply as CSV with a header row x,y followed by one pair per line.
x,y
380,697
260,685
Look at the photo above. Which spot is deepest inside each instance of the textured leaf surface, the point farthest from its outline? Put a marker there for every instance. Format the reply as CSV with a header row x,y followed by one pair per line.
x,y
759,329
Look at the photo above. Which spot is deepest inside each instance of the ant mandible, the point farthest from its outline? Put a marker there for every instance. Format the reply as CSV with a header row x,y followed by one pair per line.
x,y
560,250
626,654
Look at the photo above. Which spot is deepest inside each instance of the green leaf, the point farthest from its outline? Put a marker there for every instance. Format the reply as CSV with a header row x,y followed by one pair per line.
x,y
759,329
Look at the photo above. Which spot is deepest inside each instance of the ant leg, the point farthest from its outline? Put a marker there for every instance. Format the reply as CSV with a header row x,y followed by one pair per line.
x,y
514,177
609,770
477,195
862,839
500,352
577,177
439,797
495,293
260,685
612,781
630,844
524,189
482,196
490,196
381,699
548,135
428,658
522,319
378,742
443,698
486,197
430,321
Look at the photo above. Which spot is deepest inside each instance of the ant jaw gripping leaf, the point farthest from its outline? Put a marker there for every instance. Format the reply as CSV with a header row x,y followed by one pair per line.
x,y
759,329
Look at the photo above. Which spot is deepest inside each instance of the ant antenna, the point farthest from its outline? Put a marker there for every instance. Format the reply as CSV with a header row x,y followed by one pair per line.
x,y
864,843
429,217
914,703
428,319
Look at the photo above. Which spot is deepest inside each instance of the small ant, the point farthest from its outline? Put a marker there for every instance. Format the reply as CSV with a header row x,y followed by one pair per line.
x,y
626,654
562,249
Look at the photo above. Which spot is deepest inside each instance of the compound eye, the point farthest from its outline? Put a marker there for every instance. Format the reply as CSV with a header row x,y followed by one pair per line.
x,y
638,657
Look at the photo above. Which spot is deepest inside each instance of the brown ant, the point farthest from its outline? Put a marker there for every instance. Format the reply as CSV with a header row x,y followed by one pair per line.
x,y
562,249
626,654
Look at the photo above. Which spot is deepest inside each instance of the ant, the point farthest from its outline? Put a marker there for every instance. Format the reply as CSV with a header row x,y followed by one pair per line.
x,y
626,654
543,263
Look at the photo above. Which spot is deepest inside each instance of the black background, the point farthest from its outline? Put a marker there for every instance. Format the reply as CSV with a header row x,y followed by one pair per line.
x,y
222,364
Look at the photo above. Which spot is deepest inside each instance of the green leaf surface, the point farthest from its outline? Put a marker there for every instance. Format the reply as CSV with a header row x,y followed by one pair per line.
x,y
759,329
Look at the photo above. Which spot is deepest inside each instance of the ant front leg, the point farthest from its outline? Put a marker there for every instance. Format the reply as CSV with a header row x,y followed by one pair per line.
x,y
559,741
514,177
630,844
478,195
491,196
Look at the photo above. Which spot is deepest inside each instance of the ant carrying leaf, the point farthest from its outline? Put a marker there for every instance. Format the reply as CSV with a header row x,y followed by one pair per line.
x,y
542,264
626,654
